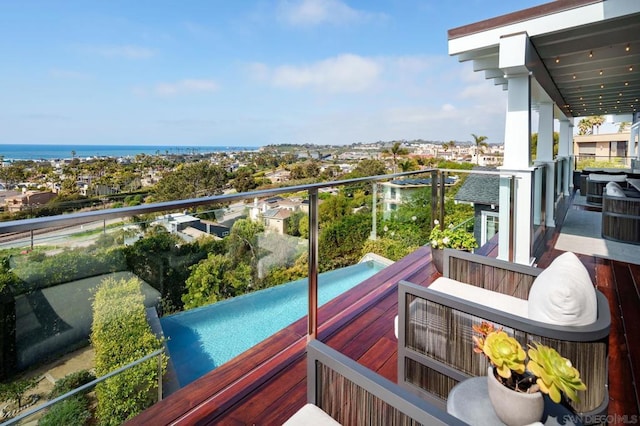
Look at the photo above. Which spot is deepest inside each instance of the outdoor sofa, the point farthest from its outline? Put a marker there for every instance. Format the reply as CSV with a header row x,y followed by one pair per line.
x,y
621,214
341,391
435,345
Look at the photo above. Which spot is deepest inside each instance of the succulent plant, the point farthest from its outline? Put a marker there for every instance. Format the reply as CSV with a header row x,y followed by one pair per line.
x,y
505,353
555,374
546,370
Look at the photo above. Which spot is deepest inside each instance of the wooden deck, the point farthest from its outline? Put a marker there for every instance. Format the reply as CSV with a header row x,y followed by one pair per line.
x,y
267,384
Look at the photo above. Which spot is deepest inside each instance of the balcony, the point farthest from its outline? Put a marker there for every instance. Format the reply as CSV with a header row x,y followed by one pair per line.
x,y
543,64
267,383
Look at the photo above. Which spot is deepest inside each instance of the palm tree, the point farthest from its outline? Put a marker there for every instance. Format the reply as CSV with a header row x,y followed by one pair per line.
x,y
623,126
407,165
596,121
395,151
480,145
584,127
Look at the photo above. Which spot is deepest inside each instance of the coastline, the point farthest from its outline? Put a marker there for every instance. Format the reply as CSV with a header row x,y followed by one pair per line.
x,y
44,152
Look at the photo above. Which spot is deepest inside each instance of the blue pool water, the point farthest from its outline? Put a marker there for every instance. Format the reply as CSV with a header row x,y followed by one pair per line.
x,y
202,339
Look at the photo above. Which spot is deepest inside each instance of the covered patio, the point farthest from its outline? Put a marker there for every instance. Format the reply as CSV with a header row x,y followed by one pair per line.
x,y
556,61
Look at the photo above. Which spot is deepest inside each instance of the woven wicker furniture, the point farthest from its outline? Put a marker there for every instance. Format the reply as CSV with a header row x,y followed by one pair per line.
x,y
621,219
596,183
435,346
354,395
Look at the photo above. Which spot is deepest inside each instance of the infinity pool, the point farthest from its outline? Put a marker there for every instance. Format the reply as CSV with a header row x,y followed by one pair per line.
x,y
202,339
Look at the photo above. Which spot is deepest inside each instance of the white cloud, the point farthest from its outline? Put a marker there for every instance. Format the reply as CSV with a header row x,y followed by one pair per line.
x,y
344,73
125,51
448,107
68,74
316,12
185,86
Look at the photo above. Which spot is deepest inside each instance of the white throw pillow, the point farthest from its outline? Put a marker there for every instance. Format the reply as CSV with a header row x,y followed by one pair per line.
x,y
615,190
563,294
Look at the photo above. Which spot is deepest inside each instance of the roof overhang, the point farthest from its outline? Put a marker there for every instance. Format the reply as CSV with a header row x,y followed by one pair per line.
x,y
583,54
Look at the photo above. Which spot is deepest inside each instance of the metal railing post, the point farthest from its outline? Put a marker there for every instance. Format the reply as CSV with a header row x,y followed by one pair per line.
x,y
160,376
434,196
374,211
312,329
441,179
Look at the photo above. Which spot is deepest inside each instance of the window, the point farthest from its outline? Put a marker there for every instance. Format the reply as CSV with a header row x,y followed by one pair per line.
x,y
489,226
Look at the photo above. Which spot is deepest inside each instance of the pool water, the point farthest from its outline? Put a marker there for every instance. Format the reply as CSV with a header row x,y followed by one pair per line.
x,y
204,338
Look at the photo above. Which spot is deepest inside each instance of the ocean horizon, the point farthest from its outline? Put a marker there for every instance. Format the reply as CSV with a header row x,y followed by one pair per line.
x,y
15,152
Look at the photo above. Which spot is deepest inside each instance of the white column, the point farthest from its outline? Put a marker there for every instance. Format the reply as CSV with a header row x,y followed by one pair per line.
x,y
565,149
517,131
517,159
517,59
545,156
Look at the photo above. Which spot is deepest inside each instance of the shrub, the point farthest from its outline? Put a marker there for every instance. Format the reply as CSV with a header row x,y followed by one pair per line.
x,y
71,382
120,335
389,248
72,411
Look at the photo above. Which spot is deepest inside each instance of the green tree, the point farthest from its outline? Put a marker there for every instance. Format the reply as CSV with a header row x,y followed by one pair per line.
x,y
333,208
340,242
16,389
408,165
395,151
243,241
12,174
215,278
393,249
244,181
294,223
297,172
586,125
368,167
534,144
623,126
596,121
191,181
480,145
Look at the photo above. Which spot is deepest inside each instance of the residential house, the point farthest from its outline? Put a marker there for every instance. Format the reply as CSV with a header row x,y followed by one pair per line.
x,y
399,191
278,176
482,191
603,147
274,212
276,220
28,200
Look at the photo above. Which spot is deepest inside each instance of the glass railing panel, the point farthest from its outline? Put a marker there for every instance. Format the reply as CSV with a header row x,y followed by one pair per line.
x,y
594,162
189,257
404,207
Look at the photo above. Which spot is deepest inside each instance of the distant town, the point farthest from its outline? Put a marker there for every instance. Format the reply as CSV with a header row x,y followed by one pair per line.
x,y
31,188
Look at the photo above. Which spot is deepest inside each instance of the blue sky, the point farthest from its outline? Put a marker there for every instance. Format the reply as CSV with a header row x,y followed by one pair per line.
x,y
246,72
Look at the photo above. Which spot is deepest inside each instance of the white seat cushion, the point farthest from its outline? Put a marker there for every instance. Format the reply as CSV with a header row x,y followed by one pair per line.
x,y
615,190
310,415
491,299
563,294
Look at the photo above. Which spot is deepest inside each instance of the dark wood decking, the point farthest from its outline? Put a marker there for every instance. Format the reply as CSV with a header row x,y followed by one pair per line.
x,y
267,384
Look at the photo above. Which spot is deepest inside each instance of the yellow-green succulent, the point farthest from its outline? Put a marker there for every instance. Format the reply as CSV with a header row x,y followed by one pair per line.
x,y
555,374
505,353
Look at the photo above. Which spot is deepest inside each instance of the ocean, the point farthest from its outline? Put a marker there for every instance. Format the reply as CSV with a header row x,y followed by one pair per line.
x,y
54,152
